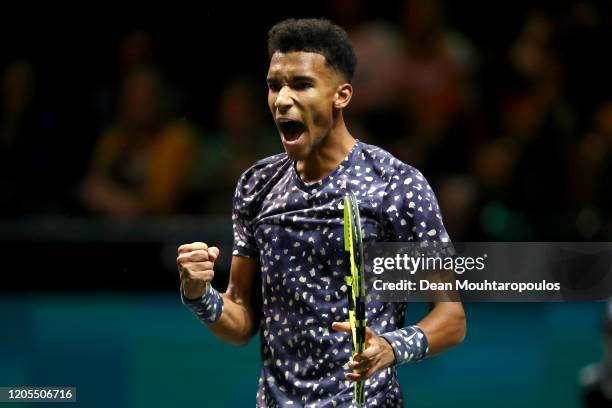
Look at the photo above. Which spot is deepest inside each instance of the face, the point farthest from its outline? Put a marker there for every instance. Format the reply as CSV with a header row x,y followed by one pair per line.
x,y
303,92
140,99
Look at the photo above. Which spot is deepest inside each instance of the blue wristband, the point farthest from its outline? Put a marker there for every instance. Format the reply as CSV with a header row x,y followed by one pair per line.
x,y
207,308
408,344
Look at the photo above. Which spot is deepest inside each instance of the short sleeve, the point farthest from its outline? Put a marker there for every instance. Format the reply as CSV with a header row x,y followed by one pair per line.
x,y
242,214
251,191
410,211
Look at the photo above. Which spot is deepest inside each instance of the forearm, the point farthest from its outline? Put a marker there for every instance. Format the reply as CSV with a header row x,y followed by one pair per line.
x,y
227,317
441,329
444,326
236,324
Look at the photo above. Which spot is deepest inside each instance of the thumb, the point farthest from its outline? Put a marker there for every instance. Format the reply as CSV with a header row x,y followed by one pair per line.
x,y
213,253
342,326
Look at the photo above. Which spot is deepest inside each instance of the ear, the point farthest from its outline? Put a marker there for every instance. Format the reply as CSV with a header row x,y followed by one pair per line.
x,y
343,95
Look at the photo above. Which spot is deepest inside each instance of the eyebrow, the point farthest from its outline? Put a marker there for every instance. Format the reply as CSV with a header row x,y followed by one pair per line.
x,y
302,78
295,78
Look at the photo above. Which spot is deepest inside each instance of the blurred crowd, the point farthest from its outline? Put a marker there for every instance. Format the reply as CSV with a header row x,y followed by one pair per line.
x,y
514,134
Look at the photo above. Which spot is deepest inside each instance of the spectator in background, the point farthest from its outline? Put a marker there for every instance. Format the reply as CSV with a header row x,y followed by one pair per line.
x,y
591,194
140,161
374,113
15,129
521,171
25,154
242,137
539,124
17,90
435,90
493,166
135,51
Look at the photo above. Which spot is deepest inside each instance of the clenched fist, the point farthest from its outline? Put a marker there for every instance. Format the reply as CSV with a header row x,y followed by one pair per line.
x,y
195,263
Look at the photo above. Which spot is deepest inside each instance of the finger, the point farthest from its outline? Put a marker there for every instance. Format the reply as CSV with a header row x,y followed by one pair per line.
x,y
360,365
358,376
201,266
182,273
342,326
189,267
370,333
193,256
367,354
198,256
213,253
182,259
202,276
353,376
194,246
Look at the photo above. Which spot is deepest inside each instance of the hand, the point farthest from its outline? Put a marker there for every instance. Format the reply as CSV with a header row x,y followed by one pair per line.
x,y
376,356
195,263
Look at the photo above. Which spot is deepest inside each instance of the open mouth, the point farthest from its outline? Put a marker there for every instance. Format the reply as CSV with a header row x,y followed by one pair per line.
x,y
291,130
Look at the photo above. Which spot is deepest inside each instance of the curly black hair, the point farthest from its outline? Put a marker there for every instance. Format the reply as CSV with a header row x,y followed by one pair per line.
x,y
315,35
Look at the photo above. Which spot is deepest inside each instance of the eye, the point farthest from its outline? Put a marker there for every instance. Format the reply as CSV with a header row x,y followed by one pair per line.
x,y
273,86
301,85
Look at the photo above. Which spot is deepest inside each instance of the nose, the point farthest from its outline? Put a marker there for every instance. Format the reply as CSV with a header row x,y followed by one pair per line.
x,y
284,99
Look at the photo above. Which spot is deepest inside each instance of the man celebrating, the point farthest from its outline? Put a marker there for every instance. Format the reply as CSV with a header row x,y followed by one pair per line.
x,y
288,227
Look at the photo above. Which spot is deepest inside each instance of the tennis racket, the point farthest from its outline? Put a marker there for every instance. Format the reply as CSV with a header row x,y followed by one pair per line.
x,y
353,255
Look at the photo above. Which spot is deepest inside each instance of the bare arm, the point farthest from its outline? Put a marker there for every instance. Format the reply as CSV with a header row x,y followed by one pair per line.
x,y
195,262
444,326
237,323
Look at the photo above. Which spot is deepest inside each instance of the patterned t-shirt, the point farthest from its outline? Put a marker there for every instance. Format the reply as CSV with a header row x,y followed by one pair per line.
x,y
295,230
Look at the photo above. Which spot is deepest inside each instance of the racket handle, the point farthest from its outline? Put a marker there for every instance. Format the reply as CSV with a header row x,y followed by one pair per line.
x,y
360,394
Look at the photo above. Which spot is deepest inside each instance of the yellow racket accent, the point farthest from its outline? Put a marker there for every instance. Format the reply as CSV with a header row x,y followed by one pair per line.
x,y
353,254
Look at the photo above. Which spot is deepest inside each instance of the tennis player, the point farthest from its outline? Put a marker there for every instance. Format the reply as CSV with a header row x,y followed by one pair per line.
x,y
288,227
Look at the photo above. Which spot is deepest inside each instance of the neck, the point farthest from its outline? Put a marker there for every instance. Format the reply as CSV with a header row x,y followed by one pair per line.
x,y
330,152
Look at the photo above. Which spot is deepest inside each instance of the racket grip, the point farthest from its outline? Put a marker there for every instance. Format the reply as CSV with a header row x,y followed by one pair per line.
x,y
360,393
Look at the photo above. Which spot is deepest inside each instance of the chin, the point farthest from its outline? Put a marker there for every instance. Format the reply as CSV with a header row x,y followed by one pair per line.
x,y
296,155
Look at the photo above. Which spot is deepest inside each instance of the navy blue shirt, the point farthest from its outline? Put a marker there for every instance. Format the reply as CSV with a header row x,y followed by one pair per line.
x,y
295,230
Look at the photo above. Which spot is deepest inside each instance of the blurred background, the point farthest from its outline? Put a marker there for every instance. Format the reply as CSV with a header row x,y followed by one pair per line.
x,y
123,132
